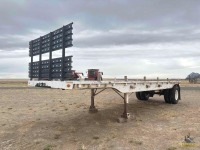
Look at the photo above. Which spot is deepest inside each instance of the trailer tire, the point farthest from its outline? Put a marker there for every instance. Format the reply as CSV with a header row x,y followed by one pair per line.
x,y
174,94
137,94
144,96
167,96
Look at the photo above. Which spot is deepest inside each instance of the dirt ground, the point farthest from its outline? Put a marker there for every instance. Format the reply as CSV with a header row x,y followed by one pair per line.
x,y
52,119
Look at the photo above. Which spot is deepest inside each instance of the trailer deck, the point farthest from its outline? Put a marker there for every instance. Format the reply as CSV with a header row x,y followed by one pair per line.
x,y
121,86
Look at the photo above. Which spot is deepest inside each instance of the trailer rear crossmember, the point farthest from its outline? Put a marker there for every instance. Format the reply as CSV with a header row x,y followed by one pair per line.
x,y
143,89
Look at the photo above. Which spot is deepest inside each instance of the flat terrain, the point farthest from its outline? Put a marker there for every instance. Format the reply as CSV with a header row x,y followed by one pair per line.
x,y
45,119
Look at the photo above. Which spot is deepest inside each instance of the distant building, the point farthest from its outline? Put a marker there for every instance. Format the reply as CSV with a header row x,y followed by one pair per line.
x,y
194,80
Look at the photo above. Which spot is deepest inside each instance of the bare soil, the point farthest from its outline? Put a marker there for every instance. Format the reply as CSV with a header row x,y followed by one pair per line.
x,y
52,119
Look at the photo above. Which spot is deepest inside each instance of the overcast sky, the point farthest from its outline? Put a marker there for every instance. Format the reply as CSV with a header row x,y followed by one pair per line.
x,y
121,37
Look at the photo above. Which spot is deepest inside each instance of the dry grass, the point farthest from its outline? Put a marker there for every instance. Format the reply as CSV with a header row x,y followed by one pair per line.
x,y
38,118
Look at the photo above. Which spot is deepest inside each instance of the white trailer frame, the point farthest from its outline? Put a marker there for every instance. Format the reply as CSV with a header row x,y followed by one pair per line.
x,y
125,87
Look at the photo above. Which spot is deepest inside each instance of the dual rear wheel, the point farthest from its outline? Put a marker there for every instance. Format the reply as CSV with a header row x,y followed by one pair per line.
x,y
171,96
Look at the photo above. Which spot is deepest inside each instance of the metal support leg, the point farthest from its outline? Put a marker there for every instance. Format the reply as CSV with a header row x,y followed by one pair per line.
x,y
92,107
125,116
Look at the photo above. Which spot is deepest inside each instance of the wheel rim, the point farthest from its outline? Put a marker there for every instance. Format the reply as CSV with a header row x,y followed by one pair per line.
x,y
176,95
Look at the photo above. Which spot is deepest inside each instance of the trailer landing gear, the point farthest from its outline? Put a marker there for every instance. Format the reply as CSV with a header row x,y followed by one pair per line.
x,y
125,116
93,109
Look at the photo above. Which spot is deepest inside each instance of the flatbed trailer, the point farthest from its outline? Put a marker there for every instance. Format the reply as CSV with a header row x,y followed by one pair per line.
x,y
57,73
143,89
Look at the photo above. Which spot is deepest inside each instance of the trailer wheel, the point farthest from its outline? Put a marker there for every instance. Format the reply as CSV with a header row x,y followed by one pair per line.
x,y
174,94
167,96
138,95
144,96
